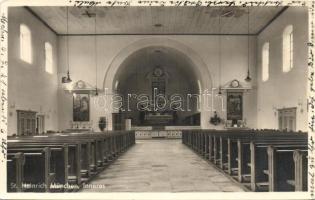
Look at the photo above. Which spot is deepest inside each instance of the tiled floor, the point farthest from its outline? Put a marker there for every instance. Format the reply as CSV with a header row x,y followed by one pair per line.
x,y
161,166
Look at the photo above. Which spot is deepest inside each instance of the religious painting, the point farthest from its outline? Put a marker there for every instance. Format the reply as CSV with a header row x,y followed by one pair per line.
x,y
81,107
234,106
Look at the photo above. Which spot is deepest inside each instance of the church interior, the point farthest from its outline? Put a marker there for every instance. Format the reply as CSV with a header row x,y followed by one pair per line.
x,y
157,99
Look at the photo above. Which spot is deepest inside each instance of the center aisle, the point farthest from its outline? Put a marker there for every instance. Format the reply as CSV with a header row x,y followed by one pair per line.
x,y
161,166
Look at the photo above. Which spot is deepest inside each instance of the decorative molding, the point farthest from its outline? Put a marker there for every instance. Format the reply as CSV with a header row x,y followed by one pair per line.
x,y
242,86
80,87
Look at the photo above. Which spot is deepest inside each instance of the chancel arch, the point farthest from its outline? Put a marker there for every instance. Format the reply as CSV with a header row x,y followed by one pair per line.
x,y
165,54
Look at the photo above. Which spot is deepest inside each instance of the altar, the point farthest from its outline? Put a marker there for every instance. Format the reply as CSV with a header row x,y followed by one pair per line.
x,y
158,118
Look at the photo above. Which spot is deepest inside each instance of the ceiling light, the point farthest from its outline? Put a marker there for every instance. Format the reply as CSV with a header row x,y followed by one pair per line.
x,y
67,79
248,78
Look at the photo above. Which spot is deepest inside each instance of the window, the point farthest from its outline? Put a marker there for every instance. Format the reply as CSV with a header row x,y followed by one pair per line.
x,y
48,58
25,44
287,119
265,62
26,122
287,56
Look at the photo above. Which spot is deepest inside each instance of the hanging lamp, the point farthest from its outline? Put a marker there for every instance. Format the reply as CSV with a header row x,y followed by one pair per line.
x,y
220,90
95,49
67,79
248,78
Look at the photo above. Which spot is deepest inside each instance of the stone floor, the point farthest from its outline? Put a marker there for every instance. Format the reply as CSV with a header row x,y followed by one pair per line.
x,y
161,166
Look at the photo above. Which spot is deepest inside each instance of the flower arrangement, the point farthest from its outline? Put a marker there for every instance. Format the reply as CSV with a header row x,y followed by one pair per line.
x,y
215,120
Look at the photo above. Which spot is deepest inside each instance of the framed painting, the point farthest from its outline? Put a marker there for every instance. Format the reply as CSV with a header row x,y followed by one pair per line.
x,y
81,107
234,106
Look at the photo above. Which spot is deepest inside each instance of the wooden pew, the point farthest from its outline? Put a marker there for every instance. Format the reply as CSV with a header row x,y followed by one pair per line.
x,y
259,166
15,162
83,151
258,154
243,155
58,159
71,163
300,171
284,172
36,160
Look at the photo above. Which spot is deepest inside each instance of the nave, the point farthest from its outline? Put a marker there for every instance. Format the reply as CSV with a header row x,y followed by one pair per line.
x,y
231,89
169,166
259,160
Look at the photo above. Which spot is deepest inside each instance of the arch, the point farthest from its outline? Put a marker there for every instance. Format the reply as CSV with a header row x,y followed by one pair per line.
x,y
200,67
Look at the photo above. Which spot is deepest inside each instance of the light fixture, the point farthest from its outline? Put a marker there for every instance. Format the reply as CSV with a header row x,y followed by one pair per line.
x,y
220,89
95,49
67,79
248,78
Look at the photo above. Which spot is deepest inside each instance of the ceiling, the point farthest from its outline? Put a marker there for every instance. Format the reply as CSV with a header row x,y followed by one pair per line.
x,y
156,20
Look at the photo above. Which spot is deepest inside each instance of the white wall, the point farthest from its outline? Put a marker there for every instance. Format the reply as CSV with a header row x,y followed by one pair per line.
x,y
29,86
283,89
82,67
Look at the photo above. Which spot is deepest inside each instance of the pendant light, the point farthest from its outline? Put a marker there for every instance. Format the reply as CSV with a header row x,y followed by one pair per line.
x,y
220,92
248,78
95,50
67,79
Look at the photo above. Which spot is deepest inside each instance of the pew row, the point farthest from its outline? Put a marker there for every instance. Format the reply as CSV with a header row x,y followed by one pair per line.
x,y
261,160
62,162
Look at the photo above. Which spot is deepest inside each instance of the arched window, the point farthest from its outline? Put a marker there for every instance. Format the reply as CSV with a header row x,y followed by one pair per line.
x,y
287,57
48,58
25,44
265,62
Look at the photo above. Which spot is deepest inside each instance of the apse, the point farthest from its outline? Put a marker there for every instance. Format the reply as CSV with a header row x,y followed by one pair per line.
x,y
166,84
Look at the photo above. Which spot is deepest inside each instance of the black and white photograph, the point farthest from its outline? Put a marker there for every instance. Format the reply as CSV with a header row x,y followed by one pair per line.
x,y
187,99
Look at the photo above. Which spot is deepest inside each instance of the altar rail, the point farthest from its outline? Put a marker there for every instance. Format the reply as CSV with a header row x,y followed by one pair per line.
x,y
167,134
62,162
265,160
